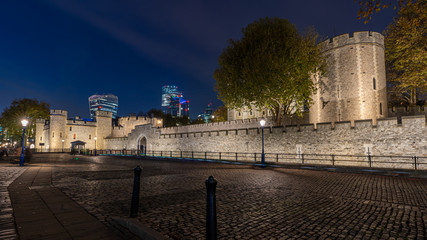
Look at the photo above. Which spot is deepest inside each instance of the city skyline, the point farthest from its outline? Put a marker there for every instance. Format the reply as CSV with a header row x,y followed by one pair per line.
x,y
61,53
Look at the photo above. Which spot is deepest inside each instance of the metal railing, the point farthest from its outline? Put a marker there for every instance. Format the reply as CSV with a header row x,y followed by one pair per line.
x,y
369,161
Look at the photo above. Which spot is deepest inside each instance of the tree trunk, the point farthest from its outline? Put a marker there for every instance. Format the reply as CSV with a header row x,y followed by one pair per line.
x,y
413,96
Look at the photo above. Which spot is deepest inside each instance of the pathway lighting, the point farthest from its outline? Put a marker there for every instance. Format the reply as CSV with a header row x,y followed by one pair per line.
x,y
262,123
24,123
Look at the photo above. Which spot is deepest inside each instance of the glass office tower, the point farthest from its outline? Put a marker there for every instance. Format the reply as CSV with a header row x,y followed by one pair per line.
x,y
105,102
172,101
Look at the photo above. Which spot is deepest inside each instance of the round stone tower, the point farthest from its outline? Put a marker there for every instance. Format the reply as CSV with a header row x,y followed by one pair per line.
x,y
57,131
354,86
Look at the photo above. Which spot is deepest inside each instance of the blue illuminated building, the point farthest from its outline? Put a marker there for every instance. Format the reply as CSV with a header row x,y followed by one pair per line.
x,y
105,102
173,102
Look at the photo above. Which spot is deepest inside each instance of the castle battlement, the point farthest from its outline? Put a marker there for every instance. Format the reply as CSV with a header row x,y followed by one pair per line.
x,y
80,122
58,112
103,114
216,126
355,38
237,126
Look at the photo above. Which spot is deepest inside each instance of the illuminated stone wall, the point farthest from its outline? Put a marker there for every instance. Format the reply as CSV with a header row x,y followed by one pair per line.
x,y
387,137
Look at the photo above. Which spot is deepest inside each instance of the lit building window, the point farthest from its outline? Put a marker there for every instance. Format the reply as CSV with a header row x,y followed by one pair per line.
x,y
74,136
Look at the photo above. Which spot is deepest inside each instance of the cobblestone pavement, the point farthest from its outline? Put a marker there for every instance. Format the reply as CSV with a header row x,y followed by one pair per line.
x,y
252,203
8,173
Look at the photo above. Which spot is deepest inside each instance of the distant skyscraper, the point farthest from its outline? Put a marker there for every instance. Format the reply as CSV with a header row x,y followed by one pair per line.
x,y
207,115
105,102
173,102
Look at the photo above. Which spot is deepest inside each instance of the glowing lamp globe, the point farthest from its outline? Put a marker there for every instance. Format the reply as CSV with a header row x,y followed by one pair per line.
x,y
24,122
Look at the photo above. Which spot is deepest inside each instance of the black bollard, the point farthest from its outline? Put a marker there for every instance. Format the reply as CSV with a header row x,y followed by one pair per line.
x,y
135,194
211,226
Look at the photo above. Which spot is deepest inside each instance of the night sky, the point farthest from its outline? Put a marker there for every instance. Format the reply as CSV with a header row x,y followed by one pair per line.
x,y
61,52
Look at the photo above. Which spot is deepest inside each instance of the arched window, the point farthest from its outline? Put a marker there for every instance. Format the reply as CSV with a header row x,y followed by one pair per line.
x,y
374,82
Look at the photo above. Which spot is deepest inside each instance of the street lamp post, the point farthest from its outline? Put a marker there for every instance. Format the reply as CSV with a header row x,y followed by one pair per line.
x,y
262,123
24,124
95,147
62,145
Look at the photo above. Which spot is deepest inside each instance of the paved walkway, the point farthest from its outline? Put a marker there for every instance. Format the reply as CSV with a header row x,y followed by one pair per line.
x,y
43,212
8,173
66,197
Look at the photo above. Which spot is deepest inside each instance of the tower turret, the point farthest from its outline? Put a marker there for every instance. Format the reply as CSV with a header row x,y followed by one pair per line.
x,y
354,87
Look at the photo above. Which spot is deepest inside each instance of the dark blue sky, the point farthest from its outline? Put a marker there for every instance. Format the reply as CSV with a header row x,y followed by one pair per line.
x,y
62,52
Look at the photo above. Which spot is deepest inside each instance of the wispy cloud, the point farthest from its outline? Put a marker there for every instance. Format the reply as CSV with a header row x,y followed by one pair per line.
x,y
160,50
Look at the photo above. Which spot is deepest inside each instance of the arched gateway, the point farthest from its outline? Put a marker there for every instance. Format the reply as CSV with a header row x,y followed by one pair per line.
x,y
142,145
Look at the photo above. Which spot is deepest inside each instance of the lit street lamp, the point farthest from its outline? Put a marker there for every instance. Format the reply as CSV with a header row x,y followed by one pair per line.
x,y
62,145
95,146
262,123
21,160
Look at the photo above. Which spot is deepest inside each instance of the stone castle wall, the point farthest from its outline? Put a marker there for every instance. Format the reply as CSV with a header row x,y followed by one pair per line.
x,y
127,124
387,137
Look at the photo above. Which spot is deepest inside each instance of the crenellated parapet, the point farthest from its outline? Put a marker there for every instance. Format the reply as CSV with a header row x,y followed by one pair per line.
x,y
234,127
361,37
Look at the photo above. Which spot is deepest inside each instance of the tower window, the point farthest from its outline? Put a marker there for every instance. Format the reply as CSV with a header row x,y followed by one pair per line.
x,y
374,82
40,138
90,136
381,109
71,128
53,135
239,113
60,134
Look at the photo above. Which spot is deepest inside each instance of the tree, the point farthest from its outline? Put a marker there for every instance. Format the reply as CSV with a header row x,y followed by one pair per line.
x,y
370,7
173,121
271,67
406,51
220,115
155,113
31,109
198,121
